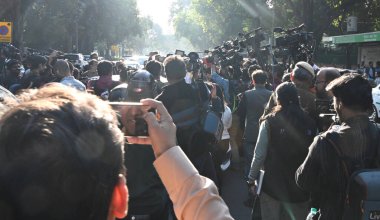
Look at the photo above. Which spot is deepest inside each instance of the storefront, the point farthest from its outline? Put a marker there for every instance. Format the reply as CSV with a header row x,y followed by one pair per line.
x,y
368,45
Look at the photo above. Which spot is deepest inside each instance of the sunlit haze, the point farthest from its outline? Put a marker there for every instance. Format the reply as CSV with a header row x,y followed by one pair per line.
x,y
159,11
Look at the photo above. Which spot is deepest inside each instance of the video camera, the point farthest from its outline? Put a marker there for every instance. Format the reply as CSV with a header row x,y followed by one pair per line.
x,y
226,55
325,113
294,42
230,52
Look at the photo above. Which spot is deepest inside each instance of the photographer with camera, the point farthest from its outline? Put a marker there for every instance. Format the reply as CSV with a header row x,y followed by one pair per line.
x,y
343,149
187,103
324,99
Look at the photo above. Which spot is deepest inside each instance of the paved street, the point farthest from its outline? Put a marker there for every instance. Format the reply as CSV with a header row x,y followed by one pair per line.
x,y
234,192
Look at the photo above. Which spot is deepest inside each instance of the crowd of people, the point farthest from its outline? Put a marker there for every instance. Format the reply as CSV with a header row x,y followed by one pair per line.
x,y
63,154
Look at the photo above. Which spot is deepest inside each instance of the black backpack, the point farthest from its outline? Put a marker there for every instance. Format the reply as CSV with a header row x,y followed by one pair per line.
x,y
198,127
362,199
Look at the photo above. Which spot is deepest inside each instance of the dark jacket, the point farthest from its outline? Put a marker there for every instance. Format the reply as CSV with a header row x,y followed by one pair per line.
x,y
251,108
147,194
180,97
322,172
287,149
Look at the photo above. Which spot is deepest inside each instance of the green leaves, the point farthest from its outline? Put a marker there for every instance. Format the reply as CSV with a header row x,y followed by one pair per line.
x,y
52,23
219,20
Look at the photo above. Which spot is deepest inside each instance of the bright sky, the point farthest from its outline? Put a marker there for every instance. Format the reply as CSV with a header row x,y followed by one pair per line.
x,y
159,11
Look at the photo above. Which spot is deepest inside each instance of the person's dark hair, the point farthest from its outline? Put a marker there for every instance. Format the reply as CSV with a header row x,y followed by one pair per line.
x,y
253,68
105,67
175,67
286,77
92,62
154,67
12,63
353,91
36,60
331,74
259,76
124,74
288,106
286,95
71,66
61,154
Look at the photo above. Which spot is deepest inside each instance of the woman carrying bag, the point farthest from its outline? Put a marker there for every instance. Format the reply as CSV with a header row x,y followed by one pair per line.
x,y
281,147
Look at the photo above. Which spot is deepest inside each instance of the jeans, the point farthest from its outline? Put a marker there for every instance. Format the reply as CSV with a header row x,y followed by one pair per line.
x,y
248,148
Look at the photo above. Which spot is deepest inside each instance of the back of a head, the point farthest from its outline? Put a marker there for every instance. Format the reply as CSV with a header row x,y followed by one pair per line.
x,y
286,77
175,68
94,55
303,73
12,63
60,157
286,94
93,62
36,60
154,67
62,68
140,86
253,68
330,73
104,68
260,77
353,91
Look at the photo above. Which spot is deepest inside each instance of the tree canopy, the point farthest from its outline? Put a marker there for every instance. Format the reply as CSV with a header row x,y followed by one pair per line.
x,y
207,23
54,23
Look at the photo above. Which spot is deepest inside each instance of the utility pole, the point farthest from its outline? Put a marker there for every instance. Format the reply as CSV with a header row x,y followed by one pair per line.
x,y
76,27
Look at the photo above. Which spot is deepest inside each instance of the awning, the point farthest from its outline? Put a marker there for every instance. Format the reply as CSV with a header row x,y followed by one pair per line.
x,y
357,38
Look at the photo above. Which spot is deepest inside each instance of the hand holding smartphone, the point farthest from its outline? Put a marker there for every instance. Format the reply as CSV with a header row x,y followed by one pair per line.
x,y
162,130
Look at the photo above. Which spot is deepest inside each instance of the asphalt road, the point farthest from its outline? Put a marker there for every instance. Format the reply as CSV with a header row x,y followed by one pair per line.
x,y
234,193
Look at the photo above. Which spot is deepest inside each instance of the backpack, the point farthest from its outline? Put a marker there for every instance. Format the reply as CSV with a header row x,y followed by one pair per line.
x,y
362,198
199,127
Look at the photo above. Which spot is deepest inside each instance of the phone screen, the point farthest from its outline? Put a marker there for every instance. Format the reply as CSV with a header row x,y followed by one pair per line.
x,y
131,116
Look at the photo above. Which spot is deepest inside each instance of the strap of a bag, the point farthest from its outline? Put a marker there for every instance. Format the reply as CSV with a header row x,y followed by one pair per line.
x,y
198,92
340,155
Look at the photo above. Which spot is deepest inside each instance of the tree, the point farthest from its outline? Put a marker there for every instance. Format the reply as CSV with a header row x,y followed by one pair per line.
x,y
56,23
219,20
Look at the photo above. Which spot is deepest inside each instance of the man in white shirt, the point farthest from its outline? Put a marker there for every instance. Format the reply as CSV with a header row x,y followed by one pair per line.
x,y
62,70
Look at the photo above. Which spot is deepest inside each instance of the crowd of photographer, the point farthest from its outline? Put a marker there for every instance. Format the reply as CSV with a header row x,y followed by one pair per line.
x,y
215,109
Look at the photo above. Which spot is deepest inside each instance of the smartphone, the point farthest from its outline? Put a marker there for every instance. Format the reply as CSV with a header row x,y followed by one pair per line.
x,y
131,115
180,53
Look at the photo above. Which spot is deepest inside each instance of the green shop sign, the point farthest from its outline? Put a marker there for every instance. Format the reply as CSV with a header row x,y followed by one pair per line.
x,y
357,38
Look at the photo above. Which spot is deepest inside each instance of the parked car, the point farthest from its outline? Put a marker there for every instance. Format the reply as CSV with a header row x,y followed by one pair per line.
x,y
86,57
77,59
133,64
